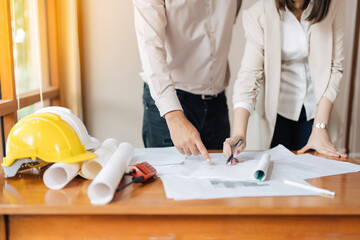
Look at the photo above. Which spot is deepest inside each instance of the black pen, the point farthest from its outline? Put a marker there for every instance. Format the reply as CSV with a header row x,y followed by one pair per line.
x,y
233,150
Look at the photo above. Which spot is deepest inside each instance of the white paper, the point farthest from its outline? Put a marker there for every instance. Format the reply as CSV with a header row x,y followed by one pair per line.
x,y
307,166
195,166
195,179
158,156
102,188
184,188
278,152
59,175
325,167
91,168
284,164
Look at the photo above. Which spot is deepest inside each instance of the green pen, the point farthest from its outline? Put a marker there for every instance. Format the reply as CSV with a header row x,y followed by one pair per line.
x,y
233,150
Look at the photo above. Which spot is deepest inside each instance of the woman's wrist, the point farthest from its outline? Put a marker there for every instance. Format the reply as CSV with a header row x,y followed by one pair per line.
x,y
320,125
239,135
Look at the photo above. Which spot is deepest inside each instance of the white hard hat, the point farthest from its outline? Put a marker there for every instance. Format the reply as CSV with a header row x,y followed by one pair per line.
x,y
67,115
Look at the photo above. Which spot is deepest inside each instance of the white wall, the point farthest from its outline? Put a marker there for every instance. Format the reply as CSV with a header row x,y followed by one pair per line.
x,y
355,122
110,64
341,104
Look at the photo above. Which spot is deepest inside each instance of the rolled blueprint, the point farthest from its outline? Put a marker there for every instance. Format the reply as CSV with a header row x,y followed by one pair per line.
x,y
262,168
59,174
92,167
102,189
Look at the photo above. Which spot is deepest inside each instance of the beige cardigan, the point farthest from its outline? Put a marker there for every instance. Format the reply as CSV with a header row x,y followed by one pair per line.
x,y
261,64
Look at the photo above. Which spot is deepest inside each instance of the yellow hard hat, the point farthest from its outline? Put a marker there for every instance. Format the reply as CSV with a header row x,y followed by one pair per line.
x,y
47,137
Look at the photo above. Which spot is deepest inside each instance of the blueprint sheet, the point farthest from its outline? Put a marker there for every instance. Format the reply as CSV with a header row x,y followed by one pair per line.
x,y
158,156
186,178
184,188
284,165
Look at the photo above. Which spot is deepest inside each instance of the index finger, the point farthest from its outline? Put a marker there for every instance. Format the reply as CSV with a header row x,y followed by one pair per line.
x,y
240,149
227,149
203,150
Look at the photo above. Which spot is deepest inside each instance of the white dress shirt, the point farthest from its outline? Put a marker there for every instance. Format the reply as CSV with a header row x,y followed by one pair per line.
x,y
184,45
296,87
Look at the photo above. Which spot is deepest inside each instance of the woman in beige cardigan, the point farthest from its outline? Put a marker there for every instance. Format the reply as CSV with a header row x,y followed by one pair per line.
x,y
294,50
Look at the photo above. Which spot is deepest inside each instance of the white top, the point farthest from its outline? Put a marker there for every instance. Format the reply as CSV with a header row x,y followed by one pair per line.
x,y
184,45
296,87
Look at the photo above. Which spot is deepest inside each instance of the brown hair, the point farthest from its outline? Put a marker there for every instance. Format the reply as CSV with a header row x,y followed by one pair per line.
x,y
317,14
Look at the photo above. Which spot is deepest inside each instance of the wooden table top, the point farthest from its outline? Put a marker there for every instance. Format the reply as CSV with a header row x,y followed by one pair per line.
x,y
27,194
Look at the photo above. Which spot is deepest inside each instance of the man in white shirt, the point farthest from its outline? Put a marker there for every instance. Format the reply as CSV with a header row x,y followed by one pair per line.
x,y
184,47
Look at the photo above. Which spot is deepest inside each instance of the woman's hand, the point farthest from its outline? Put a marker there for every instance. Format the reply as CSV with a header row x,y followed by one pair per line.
x,y
229,144
320,141
241,117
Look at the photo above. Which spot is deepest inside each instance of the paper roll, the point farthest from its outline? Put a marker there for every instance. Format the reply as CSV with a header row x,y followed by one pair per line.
x,y
59,174
92,167
262,168
102,189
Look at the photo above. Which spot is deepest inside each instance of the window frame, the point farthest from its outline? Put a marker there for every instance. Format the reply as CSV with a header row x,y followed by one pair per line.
x,y
8,102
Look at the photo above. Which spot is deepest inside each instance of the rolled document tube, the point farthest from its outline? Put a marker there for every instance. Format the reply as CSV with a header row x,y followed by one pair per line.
x,y
102,189
92,167
60,174
262,168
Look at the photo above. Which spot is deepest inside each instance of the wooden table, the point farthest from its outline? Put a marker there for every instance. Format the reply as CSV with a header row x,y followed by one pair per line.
x,y
28,210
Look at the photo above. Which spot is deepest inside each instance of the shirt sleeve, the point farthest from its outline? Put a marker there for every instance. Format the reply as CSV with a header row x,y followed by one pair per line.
x,y
247,106
337,53
150,23
251,73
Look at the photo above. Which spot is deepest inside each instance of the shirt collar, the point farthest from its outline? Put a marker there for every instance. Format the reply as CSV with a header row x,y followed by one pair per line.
x,y
305,14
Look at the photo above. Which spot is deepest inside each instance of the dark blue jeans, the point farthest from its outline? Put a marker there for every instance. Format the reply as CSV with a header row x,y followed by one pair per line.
x,y
210,117
292,134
